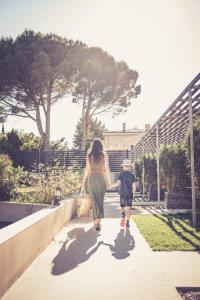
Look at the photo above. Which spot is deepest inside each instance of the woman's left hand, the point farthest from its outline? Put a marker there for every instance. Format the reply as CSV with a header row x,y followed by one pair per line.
x,y
82,190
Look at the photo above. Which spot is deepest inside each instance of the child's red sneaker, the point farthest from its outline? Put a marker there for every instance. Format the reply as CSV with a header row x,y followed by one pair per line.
x,y
122,222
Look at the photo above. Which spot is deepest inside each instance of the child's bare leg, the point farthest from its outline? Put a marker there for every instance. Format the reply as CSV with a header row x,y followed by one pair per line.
x,y
123,212
128,213
122,222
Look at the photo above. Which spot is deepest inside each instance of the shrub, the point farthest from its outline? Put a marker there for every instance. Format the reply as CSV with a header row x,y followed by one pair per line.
x,y
68,181
16,140
138,170
173,168
196,139
9,178
150,171
48,181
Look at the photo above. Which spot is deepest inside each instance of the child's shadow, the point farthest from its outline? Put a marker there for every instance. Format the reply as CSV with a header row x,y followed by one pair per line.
x,y
75,250
123,244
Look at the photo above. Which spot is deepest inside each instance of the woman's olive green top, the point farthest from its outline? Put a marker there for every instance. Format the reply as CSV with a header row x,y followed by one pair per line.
x,y
97,167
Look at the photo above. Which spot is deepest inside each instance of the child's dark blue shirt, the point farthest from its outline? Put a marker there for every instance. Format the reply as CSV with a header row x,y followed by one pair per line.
x,y
126,178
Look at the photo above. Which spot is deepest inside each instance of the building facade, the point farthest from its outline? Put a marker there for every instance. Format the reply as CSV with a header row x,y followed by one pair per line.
x,y
124,139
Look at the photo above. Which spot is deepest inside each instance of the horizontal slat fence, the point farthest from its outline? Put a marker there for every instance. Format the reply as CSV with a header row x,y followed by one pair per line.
x,y
69,158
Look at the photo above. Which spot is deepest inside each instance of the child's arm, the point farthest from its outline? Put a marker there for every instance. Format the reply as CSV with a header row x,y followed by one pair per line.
x,y
134,187
117,183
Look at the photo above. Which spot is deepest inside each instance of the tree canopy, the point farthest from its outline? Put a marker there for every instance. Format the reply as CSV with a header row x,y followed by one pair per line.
x,y
95,130
42,68
36,70
102,84
17,140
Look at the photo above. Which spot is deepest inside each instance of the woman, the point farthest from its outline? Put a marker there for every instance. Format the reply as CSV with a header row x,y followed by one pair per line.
x,y
98,174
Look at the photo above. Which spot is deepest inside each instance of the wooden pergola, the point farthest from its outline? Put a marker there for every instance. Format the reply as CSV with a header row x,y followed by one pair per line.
x,y
171,128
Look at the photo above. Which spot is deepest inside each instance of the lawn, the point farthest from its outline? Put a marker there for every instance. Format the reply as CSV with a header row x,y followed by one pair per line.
x,y
169,233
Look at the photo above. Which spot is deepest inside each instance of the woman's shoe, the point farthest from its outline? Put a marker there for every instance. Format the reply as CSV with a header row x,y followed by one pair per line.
x,y
97,227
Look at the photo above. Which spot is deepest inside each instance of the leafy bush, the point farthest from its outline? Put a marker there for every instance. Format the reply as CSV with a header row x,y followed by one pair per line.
x,y
173,168
96,129
196,139
9,178
29,141
50,179
27,197
150,171
16,140
59,145
138,170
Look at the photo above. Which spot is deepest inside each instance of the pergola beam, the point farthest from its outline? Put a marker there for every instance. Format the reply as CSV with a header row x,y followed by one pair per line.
x,y
171,128
158,162
194,218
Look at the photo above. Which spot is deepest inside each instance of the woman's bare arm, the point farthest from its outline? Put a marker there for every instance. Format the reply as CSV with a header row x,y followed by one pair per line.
x,y
107,169
134,187
86,173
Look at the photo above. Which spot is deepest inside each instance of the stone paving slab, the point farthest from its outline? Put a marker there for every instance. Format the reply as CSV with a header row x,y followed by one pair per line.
x,y
81,264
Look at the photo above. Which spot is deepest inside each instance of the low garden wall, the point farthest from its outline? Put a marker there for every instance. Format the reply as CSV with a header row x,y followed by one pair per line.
x,y
12,211
180,201
23,241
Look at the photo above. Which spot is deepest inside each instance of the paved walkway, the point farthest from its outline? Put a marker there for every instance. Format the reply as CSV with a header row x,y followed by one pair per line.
x,y
115,264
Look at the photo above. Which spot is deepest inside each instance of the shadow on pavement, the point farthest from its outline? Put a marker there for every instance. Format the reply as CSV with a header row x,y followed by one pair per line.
x,y
123,244
112,207
75,250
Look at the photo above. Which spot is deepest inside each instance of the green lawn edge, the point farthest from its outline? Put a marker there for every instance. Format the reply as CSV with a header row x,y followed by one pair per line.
x,y
169,232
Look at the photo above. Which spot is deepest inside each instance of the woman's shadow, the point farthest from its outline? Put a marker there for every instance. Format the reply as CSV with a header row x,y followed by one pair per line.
x,y
123,244
75,250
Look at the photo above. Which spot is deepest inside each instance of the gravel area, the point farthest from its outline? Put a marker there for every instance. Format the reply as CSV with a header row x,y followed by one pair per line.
x,y
191,294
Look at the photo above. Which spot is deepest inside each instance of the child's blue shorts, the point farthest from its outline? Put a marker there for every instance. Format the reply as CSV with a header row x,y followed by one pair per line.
x,y
126,201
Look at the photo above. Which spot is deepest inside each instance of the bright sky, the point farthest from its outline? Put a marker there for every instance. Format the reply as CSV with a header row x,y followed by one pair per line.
x,y
158,38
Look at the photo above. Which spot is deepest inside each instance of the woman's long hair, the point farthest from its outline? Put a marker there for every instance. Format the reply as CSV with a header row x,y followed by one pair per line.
x,y
96,151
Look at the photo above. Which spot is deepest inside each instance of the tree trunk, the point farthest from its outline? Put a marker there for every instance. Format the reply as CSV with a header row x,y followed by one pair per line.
x,y
84,135
39,124
86,123
46,145
45,134
85,120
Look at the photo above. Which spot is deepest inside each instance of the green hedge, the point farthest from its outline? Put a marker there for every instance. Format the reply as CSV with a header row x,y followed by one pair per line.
x,y
9,178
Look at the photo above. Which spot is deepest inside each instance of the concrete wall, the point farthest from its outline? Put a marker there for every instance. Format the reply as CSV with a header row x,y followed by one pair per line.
x,y
12,211
23,241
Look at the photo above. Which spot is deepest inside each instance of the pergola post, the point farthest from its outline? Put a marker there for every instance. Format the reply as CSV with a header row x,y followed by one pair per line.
x,y
64,158
192,159
143,169
132,154
158,162
39,160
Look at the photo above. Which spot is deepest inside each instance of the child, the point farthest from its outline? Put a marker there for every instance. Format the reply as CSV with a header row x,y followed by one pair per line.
x,y
126,180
